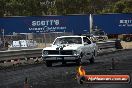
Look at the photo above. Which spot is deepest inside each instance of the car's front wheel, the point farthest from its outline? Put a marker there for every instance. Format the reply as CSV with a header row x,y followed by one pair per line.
x,y
79,60
48,63
92,59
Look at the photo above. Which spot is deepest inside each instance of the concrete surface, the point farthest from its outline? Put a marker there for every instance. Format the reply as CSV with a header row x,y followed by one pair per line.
x,y
64,76
126,45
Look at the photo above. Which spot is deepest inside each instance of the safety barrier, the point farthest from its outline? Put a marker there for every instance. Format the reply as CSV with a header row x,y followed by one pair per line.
x,y
11,57
105,45
110,44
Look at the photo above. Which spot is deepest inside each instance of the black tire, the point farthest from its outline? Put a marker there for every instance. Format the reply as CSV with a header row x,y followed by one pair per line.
x,y
63,63
79,60
48,63
118,44
92,59
128,39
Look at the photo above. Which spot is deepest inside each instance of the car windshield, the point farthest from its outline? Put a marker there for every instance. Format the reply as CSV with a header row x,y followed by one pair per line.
x,y
68,40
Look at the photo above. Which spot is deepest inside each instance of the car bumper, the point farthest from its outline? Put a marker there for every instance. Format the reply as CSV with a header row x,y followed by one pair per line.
x,y
60,57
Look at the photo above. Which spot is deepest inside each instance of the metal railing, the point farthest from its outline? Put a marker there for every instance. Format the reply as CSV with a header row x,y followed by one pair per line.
x,y
18,54
27,54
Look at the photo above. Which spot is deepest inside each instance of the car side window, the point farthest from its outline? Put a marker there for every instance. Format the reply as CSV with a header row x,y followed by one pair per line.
x,y
86,40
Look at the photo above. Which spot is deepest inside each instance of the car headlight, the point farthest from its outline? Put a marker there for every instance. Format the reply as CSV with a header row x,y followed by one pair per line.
x,y
75,52
45,52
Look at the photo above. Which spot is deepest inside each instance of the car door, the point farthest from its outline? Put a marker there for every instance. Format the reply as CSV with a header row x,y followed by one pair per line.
x,y
88,48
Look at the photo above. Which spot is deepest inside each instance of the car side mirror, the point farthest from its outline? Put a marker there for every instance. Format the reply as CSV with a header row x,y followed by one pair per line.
x,y
94,41
85,43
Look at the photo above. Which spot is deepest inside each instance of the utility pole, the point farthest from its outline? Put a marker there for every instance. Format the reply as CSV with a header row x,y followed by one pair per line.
x,y
3,35
91,22
45,39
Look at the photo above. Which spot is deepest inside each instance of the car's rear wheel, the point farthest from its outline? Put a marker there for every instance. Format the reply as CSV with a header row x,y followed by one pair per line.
x,y
48,63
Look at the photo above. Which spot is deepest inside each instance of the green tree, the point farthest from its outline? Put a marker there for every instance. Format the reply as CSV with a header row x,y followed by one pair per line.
x,y
128,5
119,7
63,7
2,8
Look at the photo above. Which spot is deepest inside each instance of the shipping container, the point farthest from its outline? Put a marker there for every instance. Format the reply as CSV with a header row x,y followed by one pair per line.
x,y
77,24
114,23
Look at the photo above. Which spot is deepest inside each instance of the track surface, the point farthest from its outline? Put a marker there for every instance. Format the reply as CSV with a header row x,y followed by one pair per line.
x,y
58,76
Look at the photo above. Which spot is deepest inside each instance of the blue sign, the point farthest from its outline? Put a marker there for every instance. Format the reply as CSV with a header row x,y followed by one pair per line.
x,y
114,23
77,24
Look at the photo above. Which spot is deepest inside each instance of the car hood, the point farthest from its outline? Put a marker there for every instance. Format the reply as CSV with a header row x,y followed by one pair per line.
x,y
65,47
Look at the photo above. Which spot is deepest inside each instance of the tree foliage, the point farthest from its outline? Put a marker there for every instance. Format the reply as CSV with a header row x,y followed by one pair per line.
x,y
62,7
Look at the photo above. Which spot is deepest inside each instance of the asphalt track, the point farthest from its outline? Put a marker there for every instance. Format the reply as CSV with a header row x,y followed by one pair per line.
x,y
59,76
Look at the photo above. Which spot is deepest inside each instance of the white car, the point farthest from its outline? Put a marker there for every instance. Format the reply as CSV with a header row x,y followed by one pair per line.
x,y
98,35
70,49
